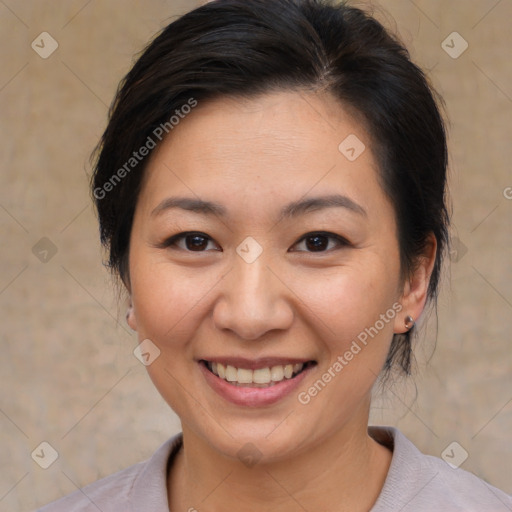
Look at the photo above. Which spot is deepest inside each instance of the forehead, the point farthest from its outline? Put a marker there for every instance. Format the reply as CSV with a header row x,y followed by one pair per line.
x,y
274,126
263,150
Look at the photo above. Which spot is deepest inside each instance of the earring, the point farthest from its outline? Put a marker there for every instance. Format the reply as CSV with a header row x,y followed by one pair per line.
x,y
409,322
129,310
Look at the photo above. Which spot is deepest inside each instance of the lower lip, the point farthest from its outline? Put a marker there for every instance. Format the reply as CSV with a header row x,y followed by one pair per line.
x,y
253,397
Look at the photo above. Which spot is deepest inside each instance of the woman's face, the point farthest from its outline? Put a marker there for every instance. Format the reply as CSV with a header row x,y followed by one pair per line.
x,y
248,290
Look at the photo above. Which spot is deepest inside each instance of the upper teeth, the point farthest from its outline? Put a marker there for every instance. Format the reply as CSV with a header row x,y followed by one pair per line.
x,y
259,376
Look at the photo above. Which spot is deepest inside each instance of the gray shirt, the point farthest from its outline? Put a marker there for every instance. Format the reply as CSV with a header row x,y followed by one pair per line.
x,y
415,483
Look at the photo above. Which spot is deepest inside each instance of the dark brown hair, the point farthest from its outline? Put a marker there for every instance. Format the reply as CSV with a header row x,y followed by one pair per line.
x,y
248,47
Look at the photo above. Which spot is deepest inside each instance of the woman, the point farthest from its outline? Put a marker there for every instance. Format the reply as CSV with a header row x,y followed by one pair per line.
x,y
271,190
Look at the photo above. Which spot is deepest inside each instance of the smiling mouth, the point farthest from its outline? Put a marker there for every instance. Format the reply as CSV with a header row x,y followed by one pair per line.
x,y
258,378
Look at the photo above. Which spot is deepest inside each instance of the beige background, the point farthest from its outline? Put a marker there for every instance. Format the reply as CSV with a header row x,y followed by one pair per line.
x,y
68,373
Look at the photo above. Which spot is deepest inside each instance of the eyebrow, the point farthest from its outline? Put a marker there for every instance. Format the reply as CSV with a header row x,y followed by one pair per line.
x,y
291,210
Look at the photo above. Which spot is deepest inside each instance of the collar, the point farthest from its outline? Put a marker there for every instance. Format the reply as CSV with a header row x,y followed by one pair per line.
x,y
149,489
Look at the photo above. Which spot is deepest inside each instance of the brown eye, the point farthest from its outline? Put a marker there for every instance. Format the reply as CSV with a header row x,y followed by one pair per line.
x,y
321,242
194,242
317,242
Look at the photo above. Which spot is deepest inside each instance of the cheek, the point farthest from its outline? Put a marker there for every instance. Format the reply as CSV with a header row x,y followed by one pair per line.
x,y
347,300
169,303
166,299
340,301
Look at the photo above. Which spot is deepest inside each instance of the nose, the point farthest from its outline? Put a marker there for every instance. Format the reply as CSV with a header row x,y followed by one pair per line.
x,y
254,300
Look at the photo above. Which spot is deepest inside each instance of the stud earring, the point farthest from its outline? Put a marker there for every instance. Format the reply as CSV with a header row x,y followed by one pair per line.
x,y
129,310
409,322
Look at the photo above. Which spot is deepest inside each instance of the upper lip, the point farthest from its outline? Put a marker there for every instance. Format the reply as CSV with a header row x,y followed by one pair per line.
x,y
254,364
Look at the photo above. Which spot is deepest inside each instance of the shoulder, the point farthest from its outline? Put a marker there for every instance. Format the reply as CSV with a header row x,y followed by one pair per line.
x,y
143,484
100,494
418,482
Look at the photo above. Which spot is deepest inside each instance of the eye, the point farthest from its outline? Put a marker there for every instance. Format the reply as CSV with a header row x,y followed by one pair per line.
x,y
193,241
319,241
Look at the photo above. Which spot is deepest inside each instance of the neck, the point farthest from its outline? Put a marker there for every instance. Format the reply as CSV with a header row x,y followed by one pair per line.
x,y
341,471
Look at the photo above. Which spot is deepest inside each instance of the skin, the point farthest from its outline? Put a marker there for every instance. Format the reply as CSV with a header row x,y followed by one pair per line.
x,y
255,156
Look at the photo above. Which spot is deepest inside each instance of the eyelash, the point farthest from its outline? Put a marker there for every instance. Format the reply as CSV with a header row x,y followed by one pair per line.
x,y
172,241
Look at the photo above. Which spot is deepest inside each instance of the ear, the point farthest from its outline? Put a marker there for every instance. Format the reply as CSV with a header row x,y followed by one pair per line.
x,y
130,316
414,294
